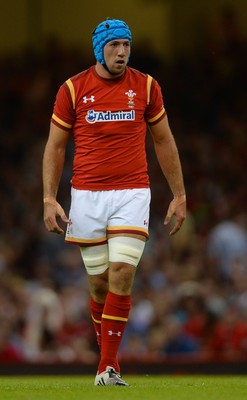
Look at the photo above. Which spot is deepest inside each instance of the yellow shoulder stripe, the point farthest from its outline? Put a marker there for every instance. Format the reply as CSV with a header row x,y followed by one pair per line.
x,y
72,91
149,82
61,122
157,116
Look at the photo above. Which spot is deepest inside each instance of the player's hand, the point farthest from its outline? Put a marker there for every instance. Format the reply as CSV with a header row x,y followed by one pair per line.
x,y
177,208
52,209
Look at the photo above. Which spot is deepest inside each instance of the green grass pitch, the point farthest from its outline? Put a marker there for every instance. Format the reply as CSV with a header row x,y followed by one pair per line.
x,y
142,387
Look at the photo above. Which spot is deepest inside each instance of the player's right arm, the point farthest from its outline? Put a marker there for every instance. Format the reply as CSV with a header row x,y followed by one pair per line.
x,y
53,162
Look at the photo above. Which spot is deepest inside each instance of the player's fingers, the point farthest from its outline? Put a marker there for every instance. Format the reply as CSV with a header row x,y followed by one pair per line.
x,y
50,215
58,230
61,213
175,229
170,212
177,207
51,225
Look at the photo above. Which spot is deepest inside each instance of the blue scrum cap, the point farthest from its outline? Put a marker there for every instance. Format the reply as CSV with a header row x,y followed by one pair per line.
x,y
106,31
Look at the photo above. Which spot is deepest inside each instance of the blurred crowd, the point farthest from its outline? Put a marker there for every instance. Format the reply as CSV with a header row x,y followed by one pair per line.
x,y
190,292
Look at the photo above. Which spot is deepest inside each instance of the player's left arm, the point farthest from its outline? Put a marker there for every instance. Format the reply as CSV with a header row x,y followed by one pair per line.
x,y
169,160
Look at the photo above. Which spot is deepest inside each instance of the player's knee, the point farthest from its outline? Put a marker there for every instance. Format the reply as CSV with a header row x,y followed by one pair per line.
x,y
99,287
125,249
121,278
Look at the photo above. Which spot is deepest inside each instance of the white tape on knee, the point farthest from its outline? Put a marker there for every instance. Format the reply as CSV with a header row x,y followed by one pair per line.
x,y
95,259
125,249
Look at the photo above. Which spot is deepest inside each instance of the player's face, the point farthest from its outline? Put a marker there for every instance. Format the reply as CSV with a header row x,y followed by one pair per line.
x,y
116,54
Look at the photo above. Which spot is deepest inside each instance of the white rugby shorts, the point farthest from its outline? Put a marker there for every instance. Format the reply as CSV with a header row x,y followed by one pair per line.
x,y
96,214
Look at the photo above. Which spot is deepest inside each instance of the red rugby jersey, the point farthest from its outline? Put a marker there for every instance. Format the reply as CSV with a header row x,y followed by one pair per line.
x,y
108,119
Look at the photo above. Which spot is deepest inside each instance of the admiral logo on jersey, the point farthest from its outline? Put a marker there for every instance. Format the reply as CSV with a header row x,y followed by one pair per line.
x,y
100,116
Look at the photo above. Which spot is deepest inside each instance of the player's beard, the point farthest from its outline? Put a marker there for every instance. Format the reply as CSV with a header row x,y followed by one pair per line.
x,y
114,71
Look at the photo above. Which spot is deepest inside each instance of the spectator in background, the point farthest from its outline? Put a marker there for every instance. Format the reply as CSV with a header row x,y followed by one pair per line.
x,y
227,248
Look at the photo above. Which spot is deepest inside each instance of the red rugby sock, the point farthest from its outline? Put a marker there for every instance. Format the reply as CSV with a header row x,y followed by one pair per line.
x,y
113,323
96,314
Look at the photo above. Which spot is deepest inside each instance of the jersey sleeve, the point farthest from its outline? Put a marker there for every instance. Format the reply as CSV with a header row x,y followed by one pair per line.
x,y
63,112
155,109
